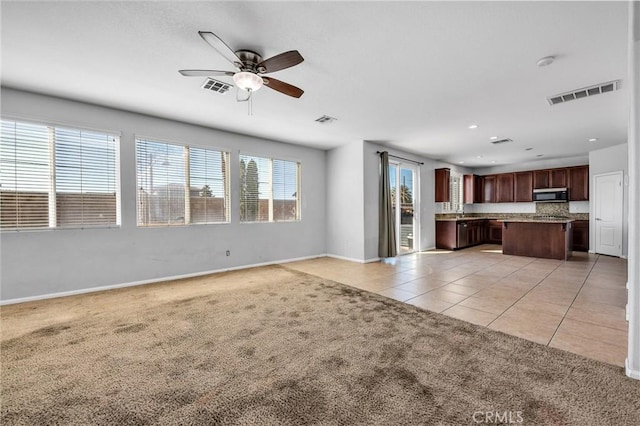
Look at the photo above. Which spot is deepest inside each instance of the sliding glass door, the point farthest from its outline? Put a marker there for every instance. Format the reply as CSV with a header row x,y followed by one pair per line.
x,y
404,189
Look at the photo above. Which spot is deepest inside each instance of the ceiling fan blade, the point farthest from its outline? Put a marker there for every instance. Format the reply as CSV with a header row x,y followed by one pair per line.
x,y
221,47
283,87
280,62
204,73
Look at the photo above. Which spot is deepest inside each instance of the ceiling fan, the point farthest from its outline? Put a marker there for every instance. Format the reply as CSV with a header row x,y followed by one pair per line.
x,y
250,67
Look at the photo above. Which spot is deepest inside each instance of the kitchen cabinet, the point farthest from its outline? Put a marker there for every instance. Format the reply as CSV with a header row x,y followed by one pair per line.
x,y
581,235
544,239
523,187
504,188
494,232
579,183
443,177
446,234
489,189
540,179
457,234
550,178
472,189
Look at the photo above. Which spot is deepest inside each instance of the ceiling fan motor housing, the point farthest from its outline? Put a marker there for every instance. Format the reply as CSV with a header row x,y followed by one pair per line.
x,y
250,60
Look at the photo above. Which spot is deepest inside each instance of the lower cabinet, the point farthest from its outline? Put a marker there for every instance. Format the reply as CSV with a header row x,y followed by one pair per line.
x,y
494,232
451,234
581,235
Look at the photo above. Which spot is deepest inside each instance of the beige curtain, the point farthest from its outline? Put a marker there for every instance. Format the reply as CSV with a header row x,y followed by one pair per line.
x,y
386,221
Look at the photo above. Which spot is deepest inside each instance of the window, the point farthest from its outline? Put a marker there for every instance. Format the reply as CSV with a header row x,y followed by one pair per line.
x,y
269,190
57,177
179,185
457,201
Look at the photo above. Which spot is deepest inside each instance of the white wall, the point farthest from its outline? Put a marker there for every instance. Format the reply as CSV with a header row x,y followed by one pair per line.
x,y
633,306
65,260
613,159
345,202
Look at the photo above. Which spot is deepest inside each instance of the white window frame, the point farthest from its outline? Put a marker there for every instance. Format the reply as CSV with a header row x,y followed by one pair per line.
x,y
52,206
187,186
270,182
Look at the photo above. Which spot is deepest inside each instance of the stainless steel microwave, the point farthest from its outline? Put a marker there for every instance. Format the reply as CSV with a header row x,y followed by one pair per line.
x,y
551,195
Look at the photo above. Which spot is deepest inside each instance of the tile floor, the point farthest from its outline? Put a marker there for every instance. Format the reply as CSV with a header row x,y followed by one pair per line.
x,y
577,306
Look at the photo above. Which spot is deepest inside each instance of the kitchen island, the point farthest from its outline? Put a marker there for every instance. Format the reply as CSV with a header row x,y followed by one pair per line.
x,y
545,238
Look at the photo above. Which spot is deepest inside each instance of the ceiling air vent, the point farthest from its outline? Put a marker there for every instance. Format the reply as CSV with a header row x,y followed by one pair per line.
x,y
216,86
501,141
325,119
584,92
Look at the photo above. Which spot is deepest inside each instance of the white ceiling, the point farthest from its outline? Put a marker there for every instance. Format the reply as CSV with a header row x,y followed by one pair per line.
x,y
410,75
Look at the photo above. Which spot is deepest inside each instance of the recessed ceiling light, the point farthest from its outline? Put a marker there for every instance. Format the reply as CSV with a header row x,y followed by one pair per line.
x,y
479,156
460,162
493,162
473,126
547,60
493,138
528,149
593,139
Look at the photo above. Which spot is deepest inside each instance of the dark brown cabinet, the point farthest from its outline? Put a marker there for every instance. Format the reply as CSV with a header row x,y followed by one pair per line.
x,y
558,178
442,185
472,189
540,179
523,187
452,234
581,235
579,183
489,189
504,188
494,232
550,178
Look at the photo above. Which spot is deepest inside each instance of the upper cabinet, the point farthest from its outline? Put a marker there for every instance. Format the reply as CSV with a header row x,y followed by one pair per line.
x,y
442,185
579,183
489,189
550,178
523,187
519,186
472,189
504,188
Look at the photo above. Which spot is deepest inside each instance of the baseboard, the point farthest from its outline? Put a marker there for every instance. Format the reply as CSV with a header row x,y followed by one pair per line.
x,y
634,374
350,259
150,281
373,259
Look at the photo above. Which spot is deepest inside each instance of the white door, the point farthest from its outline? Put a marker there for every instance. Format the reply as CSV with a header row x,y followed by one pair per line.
x,y
608,213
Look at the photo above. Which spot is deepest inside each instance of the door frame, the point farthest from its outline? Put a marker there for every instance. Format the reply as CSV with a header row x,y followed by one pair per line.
x,y
620,212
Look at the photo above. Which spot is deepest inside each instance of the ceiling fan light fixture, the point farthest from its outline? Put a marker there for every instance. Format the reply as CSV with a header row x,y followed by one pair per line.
x,y
248,81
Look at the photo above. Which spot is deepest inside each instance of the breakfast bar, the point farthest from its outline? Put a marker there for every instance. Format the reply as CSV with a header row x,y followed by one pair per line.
x,y
545,238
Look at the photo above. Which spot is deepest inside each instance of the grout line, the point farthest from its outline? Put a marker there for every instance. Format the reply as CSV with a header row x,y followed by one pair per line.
x,y
529,291
574,299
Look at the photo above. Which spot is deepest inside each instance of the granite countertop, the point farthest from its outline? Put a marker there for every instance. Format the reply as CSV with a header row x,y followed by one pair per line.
x,y
537,220
460,219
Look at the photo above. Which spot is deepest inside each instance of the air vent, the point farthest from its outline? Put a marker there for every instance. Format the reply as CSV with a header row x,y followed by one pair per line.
x,y
584,92
216,86
325,119
501,141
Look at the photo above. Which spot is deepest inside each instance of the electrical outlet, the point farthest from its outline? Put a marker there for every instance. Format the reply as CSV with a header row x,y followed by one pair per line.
x,y
228,252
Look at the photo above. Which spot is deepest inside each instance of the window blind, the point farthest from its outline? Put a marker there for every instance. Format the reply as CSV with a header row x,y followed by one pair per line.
x,y
180,184
55,177
269,189
209,186
160,175
285,190
85,178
